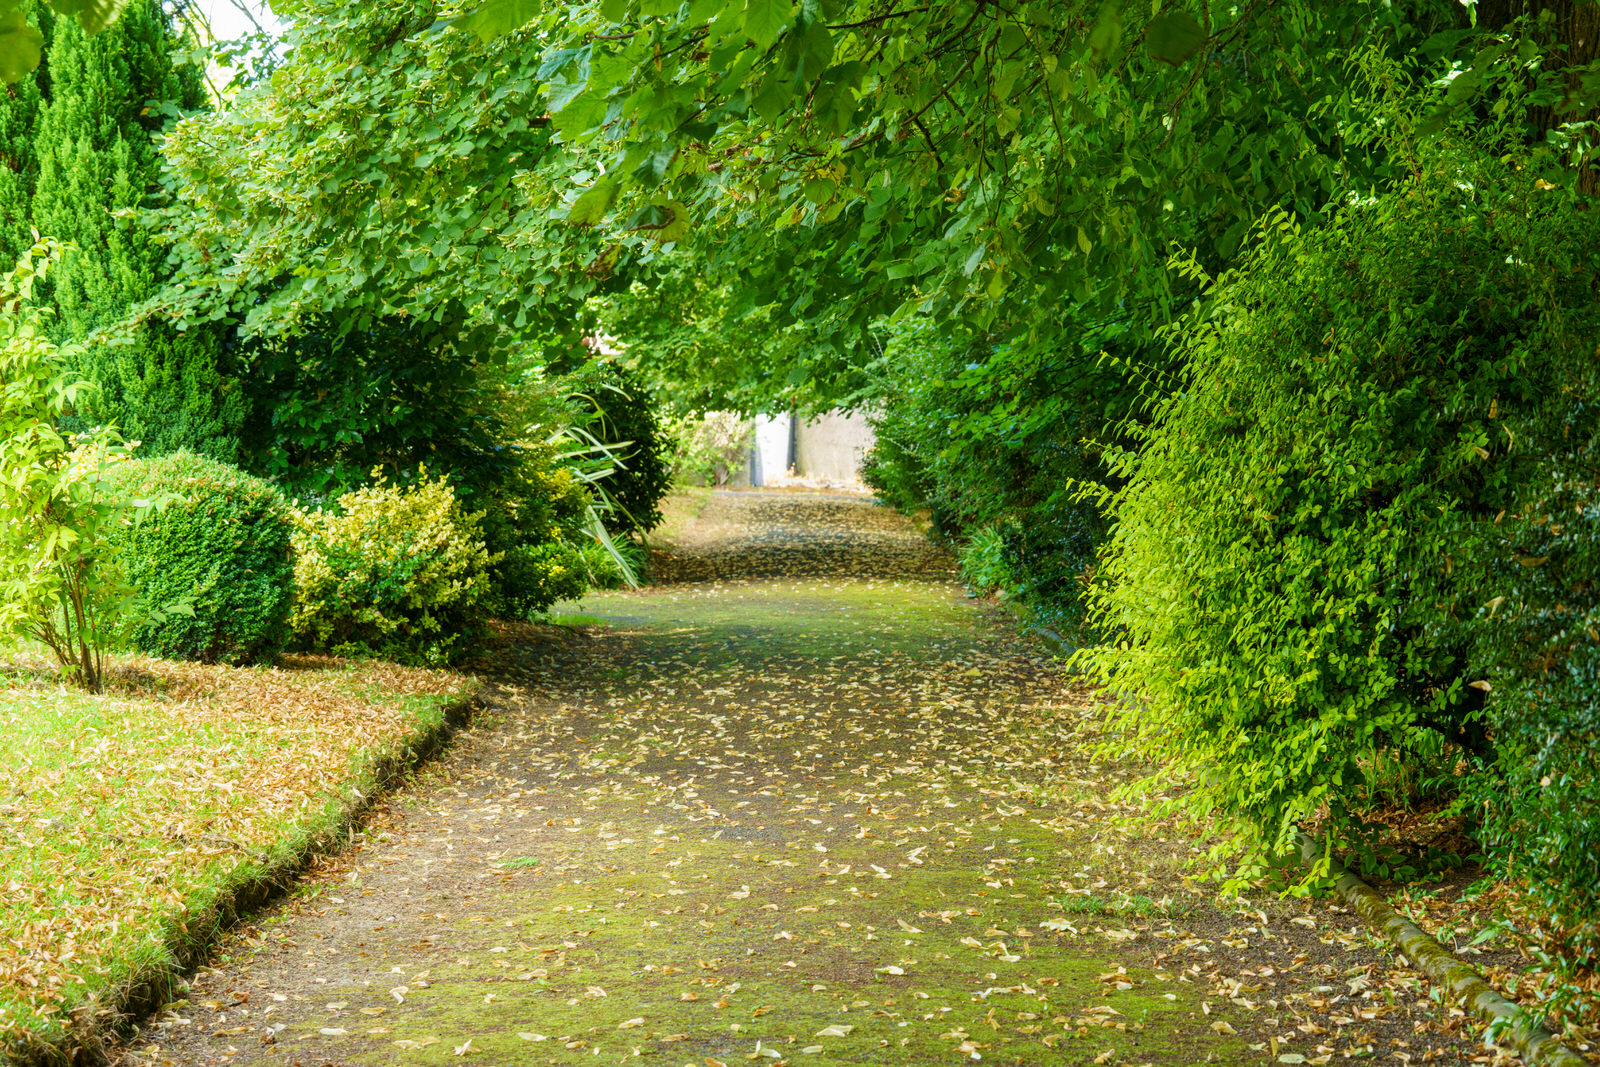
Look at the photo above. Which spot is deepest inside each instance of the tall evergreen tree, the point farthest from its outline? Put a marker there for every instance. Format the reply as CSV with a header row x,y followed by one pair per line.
x,y
20,104
94,162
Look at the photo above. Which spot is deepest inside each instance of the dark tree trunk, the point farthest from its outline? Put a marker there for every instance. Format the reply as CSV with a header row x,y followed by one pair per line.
x,y
1573,42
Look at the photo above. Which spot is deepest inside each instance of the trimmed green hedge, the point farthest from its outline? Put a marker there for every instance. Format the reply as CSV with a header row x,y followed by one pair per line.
x,y
211,567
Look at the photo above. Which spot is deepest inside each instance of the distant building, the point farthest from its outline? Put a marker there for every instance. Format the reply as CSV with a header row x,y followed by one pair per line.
x,y
826,450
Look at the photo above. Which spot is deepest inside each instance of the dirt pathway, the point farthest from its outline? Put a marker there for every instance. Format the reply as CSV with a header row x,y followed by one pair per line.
x,y
833,812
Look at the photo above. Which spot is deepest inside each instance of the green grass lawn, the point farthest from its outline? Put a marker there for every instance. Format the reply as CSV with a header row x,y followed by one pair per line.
x,y
129,821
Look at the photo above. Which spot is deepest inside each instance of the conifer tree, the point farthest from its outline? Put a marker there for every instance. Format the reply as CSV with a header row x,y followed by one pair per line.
x,y
97,162
20,104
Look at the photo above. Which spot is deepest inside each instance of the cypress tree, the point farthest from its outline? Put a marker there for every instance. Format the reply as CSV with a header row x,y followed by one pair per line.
x,y
97,164
20,105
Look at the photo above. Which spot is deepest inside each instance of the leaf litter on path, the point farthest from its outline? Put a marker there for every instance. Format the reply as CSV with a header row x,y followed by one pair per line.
x,y
812,818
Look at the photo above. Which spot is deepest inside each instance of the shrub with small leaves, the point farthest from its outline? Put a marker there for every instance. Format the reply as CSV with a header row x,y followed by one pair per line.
x,y
531,512
393,570
536,576
983,564
1360,465
212,565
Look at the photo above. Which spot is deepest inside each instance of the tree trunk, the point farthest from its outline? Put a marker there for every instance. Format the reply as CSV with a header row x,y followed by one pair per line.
x,y
1572,40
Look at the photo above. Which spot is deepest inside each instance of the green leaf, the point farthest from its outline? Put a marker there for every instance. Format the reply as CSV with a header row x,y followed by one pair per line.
x,y
614,10
496,18
764,20
20,47
819,190
563,92
579,115
1084,244
592,205
663,221
1464,86
1107,32
774,96
1174,37
92,15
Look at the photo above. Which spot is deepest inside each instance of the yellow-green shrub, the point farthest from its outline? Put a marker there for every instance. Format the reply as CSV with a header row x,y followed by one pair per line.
x,y
393,570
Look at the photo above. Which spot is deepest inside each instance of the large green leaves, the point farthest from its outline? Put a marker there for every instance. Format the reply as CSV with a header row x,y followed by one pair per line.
x,y
765,19
20,46
20,43
92,15
1173,37
494,18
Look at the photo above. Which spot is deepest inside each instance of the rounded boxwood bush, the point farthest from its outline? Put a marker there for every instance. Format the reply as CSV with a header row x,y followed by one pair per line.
x,y
399,571
211,566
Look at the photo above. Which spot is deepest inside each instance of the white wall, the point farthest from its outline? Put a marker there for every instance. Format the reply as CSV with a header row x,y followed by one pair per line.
x,y
771,456
832,446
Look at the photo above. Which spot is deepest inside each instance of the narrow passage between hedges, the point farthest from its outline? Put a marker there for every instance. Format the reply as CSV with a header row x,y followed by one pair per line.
x,y
809,805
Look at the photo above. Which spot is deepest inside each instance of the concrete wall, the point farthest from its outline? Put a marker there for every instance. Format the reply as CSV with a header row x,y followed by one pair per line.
x,y
826,449
770,458
832,446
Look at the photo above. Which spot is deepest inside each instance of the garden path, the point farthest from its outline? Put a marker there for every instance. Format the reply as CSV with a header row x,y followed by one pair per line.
x,y
809,805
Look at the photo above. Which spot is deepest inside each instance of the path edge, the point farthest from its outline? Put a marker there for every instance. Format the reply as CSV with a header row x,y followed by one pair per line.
x,y
1536,1044
99,1026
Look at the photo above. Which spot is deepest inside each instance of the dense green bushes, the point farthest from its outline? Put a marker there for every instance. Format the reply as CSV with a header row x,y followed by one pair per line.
x,y
404,571
1537,636
333,399
623,417
532,518
1322,552
211,563
395,570
995,441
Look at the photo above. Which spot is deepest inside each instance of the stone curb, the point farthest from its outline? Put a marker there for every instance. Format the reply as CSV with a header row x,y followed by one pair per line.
x,y
1536,1044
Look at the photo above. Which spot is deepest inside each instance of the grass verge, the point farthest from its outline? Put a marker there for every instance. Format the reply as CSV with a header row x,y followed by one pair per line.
x,y
136,825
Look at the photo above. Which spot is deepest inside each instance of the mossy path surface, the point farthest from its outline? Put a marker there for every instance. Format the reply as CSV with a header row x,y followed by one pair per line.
x,y
837,814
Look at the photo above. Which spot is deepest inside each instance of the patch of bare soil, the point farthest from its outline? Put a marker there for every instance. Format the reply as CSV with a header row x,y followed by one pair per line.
x,y
812,807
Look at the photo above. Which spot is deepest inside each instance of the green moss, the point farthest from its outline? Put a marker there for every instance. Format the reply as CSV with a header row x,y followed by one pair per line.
x,y
740,621
722,937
